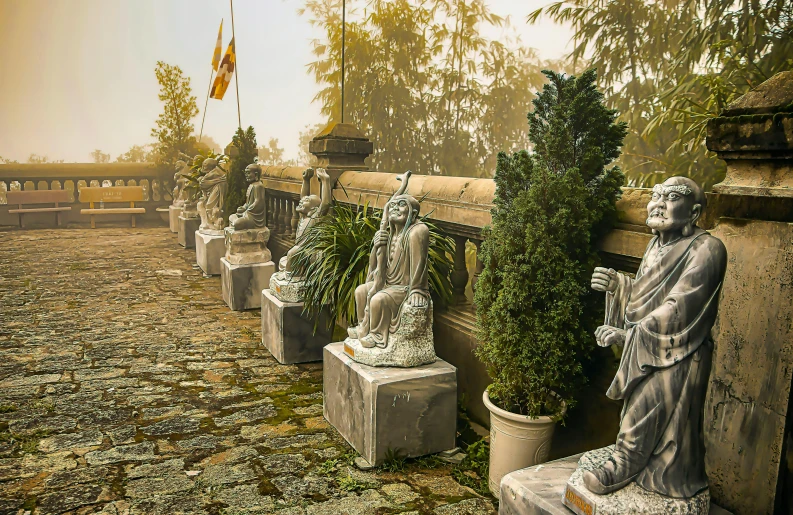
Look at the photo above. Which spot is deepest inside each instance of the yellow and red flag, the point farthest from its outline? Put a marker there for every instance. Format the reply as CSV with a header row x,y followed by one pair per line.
x,y
218,48
223,77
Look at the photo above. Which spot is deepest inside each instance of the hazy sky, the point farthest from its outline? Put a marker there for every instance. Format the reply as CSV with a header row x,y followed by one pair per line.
x,y
79,74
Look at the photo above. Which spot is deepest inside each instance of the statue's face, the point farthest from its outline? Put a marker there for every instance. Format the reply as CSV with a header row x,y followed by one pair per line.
x,y
398,211
671,206
207,165
308,204
250,176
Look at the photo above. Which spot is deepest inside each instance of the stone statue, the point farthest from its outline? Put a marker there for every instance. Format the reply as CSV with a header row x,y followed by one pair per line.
x,y
180,181
310,209
252,214
213,189
283,284
662,319
394,305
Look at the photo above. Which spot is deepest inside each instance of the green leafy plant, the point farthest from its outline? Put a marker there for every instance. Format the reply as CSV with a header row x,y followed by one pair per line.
x,y
334,259
474,470
394,460
536,314
350,484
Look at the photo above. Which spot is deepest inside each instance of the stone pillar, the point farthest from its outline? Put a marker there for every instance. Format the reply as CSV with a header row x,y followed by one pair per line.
x,y
748,433
341,147
460,273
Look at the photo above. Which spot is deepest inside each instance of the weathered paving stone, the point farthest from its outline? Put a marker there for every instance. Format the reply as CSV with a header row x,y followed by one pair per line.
x,y
136,391
135,452
73,441
175,425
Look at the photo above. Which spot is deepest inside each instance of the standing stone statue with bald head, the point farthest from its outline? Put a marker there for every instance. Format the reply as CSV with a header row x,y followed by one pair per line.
x,y
662,319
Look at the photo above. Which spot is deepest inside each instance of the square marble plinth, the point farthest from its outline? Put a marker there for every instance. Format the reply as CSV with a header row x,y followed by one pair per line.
x,y
209,248
187,229
288,335
242,285
412,411
538,490
173,217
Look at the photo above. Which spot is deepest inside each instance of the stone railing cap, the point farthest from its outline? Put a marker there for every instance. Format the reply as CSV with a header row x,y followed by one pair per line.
x,y
772,96
340,131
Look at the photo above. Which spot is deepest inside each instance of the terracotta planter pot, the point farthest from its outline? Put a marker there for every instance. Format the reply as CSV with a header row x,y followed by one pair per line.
x,y
516,441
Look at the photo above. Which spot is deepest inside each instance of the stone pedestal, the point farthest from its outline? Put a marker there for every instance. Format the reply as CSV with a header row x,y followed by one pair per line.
x,y
546,490
286,288
209,249
412,411
242,285
173,217
247,247
187,229
289,336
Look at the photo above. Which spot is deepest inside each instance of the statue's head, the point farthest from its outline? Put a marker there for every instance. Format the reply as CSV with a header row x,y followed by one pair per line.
x,y
308,205
253,173
403,210
179,165
209,164
676,205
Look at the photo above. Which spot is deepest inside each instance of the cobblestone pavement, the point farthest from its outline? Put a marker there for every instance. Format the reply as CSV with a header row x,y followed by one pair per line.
x,y
127,386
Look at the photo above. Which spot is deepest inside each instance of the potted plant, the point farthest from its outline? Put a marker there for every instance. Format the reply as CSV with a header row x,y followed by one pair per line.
x,y
535,313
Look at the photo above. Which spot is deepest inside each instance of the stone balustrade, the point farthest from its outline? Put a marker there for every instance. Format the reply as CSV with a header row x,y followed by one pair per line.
x,y
72,177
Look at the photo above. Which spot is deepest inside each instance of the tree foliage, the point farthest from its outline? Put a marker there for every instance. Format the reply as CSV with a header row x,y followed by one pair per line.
x,y
136,154
100,157
271,154
535,313
174,127
423,82
247,152
670,65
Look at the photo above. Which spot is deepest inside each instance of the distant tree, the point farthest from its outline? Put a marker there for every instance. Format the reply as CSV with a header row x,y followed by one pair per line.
x,y
6,161
209,143
271,154
37,159
304,157
136,154
100,157
245,141
174,125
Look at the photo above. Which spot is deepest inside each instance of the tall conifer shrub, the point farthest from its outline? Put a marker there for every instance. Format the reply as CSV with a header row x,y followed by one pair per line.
x,y
535,312
245,141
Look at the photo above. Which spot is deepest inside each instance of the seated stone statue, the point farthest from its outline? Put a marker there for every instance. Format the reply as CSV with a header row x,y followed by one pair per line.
x,y
252,214
310,209
662,319
213,188
394,306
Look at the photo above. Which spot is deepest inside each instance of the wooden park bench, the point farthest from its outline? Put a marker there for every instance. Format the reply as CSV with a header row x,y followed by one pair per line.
x,y
38,197
114,194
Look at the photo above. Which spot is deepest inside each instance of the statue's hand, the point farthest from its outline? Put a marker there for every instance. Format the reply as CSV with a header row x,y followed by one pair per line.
x,y
240,210
607,335
322,174
417,300
308,173
604,279
380,239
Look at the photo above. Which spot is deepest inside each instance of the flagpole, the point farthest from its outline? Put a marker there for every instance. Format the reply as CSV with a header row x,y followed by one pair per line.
x,y
343,41
206,103
236,65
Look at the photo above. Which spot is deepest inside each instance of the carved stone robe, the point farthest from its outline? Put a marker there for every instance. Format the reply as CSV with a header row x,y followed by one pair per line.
x,y
406,273
668,312
213,184
255,213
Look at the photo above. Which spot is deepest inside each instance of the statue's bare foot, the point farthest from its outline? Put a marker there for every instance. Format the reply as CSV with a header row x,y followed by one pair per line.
x,y
608,478
352,332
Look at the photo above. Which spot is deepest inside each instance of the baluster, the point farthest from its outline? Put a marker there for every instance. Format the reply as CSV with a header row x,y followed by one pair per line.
x,y
284,221
3,189
277,216
460,272
270,211
295,218
289,231
479,265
